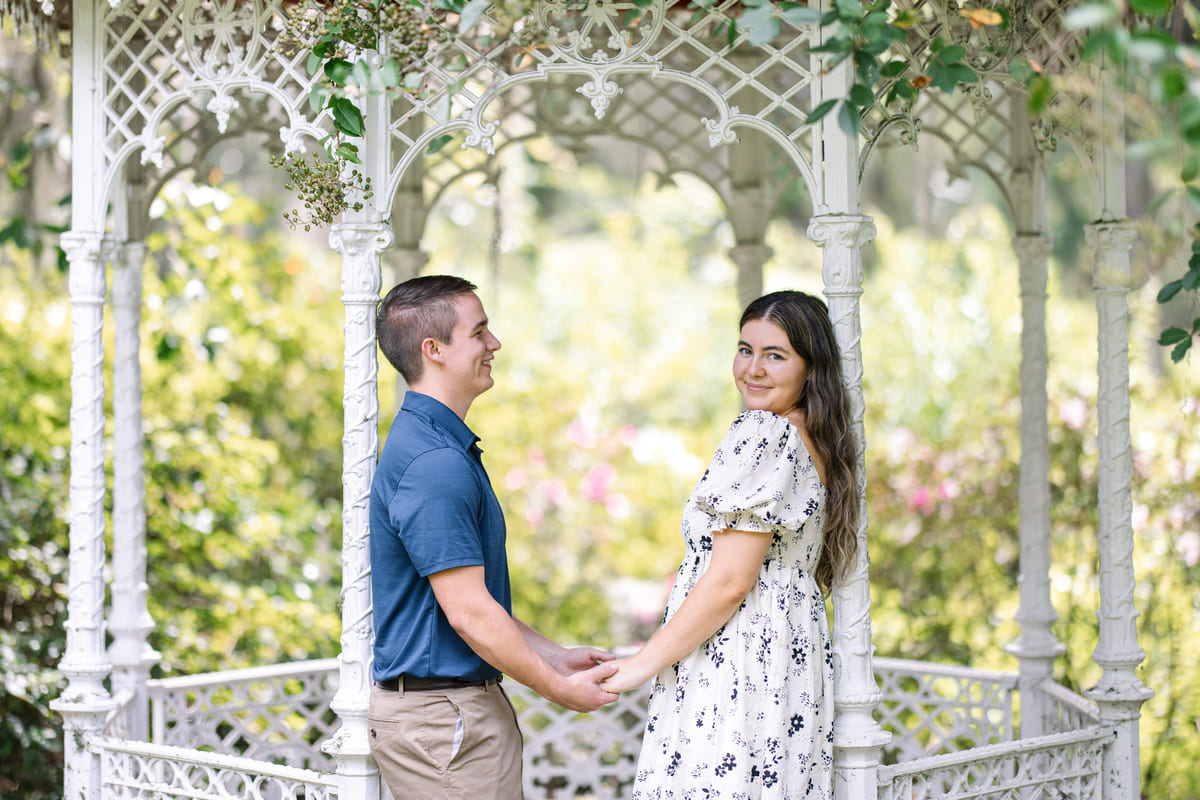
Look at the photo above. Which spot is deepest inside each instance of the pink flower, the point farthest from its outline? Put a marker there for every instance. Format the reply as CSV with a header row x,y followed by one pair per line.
x,y
579,435
515,479
628,435
553,490
598,481
921,500
1073,413
534,516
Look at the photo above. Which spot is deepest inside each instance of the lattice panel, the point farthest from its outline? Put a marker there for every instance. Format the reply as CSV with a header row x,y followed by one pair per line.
x,y
265,714
1048,768
932,709
975,123
577,755
168,67
669,82
138,772
1063,710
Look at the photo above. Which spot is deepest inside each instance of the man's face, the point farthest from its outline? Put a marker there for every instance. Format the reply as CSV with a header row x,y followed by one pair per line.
x,y
471,348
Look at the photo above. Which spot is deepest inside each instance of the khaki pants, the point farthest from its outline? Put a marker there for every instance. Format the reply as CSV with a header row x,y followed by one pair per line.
x,y
452,744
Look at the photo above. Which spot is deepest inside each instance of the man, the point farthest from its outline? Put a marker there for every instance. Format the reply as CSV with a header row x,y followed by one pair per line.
x,y
440,724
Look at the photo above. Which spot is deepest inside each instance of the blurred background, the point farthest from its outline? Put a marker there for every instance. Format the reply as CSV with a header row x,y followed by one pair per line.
x,y
615,302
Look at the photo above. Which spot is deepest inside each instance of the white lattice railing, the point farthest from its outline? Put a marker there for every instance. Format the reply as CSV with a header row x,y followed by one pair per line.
x,y
277,714
936,708
953,730
1063,765
1064,710
136,770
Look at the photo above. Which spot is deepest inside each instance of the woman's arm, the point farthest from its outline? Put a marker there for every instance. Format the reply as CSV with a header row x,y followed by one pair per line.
x,y
737,558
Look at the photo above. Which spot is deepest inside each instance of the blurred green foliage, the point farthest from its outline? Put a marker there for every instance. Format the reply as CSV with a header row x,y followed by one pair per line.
x,y
617,314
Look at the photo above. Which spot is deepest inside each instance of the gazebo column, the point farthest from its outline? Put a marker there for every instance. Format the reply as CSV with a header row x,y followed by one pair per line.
x,y
858,738
1036,647
1119,693
85,703
360,245
130,621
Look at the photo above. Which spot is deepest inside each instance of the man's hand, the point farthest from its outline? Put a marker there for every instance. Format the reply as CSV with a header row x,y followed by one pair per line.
x,y
570,660
581,690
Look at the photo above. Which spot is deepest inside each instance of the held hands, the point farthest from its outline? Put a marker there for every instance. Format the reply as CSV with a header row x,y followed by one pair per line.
x,y
630,674
570,660
582,690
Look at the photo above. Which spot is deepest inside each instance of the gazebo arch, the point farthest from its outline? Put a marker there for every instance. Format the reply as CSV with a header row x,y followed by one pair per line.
x,y
138,63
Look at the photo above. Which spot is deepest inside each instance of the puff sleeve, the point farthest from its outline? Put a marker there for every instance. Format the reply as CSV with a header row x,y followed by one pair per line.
x,y
761,478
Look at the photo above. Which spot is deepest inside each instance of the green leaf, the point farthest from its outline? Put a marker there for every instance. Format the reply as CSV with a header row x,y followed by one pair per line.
x,y
1193,196
389,74
1170,290
1191,168
325,47
346,117
862,95
1196,325
337,70
1173,82
313,63
347,152
951,55
1180,350
412,81
1020,70
437,143
1040,92
1151,8
1173,336
820,111
471,14
893,68
849,9
1091,15
761,23
798,16
317,98
849,120
1191,280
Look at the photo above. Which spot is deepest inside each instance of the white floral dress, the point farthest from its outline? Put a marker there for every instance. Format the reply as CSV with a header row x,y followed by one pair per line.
x,y
749,714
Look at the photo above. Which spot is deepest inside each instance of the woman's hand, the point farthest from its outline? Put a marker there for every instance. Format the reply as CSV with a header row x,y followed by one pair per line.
x,y
631,674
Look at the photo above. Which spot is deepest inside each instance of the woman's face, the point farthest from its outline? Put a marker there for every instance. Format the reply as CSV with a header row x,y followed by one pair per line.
x,y
768,372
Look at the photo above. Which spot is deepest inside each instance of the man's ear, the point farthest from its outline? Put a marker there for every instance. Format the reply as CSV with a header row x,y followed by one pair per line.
x,y
432,349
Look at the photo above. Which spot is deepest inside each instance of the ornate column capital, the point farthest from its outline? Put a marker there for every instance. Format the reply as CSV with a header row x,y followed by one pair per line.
x,y
360,244
842,236
1111,243
86,283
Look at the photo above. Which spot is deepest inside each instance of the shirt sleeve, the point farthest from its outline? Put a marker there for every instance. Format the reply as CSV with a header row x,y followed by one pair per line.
x,y
436,511
761,478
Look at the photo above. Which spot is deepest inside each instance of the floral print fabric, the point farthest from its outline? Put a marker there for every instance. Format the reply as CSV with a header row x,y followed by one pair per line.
x,y
749,714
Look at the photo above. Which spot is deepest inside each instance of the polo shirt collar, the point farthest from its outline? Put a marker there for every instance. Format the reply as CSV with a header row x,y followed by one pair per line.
x,y
442,416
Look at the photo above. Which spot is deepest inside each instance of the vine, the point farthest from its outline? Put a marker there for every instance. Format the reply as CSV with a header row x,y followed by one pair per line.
x,y
340,36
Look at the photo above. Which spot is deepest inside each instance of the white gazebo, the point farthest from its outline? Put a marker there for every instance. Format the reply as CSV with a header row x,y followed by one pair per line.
x,y
156,82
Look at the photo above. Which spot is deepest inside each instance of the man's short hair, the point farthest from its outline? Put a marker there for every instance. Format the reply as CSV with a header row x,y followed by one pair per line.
x,y
413,311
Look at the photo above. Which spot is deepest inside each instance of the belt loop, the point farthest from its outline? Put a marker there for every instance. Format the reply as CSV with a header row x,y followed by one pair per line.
x,y
400,686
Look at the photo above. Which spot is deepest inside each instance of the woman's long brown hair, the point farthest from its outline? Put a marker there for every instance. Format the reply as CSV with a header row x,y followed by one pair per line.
x,y
826,407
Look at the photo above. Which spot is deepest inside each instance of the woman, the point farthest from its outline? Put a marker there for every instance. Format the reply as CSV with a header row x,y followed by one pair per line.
x,y
742,705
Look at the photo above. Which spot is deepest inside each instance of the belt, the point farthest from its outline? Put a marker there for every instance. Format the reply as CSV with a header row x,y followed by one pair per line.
x,y
411,684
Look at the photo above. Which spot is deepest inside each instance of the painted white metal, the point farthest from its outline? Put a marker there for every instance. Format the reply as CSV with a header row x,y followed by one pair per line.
x,y
130,621
146,70
858,738
136,770
360,246
1065,765
1036,647
1119,693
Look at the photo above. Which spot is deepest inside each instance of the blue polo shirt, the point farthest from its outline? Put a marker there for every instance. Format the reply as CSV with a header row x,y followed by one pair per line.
x,y
432,509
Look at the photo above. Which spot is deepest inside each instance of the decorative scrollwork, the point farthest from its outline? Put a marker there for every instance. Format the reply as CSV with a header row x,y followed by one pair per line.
x,y
219,35
595,31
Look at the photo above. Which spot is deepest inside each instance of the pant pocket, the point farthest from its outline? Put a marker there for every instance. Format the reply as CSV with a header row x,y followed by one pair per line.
x,y
440,732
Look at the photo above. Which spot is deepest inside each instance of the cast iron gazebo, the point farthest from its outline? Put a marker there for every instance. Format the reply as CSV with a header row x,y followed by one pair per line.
x,y
156,83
